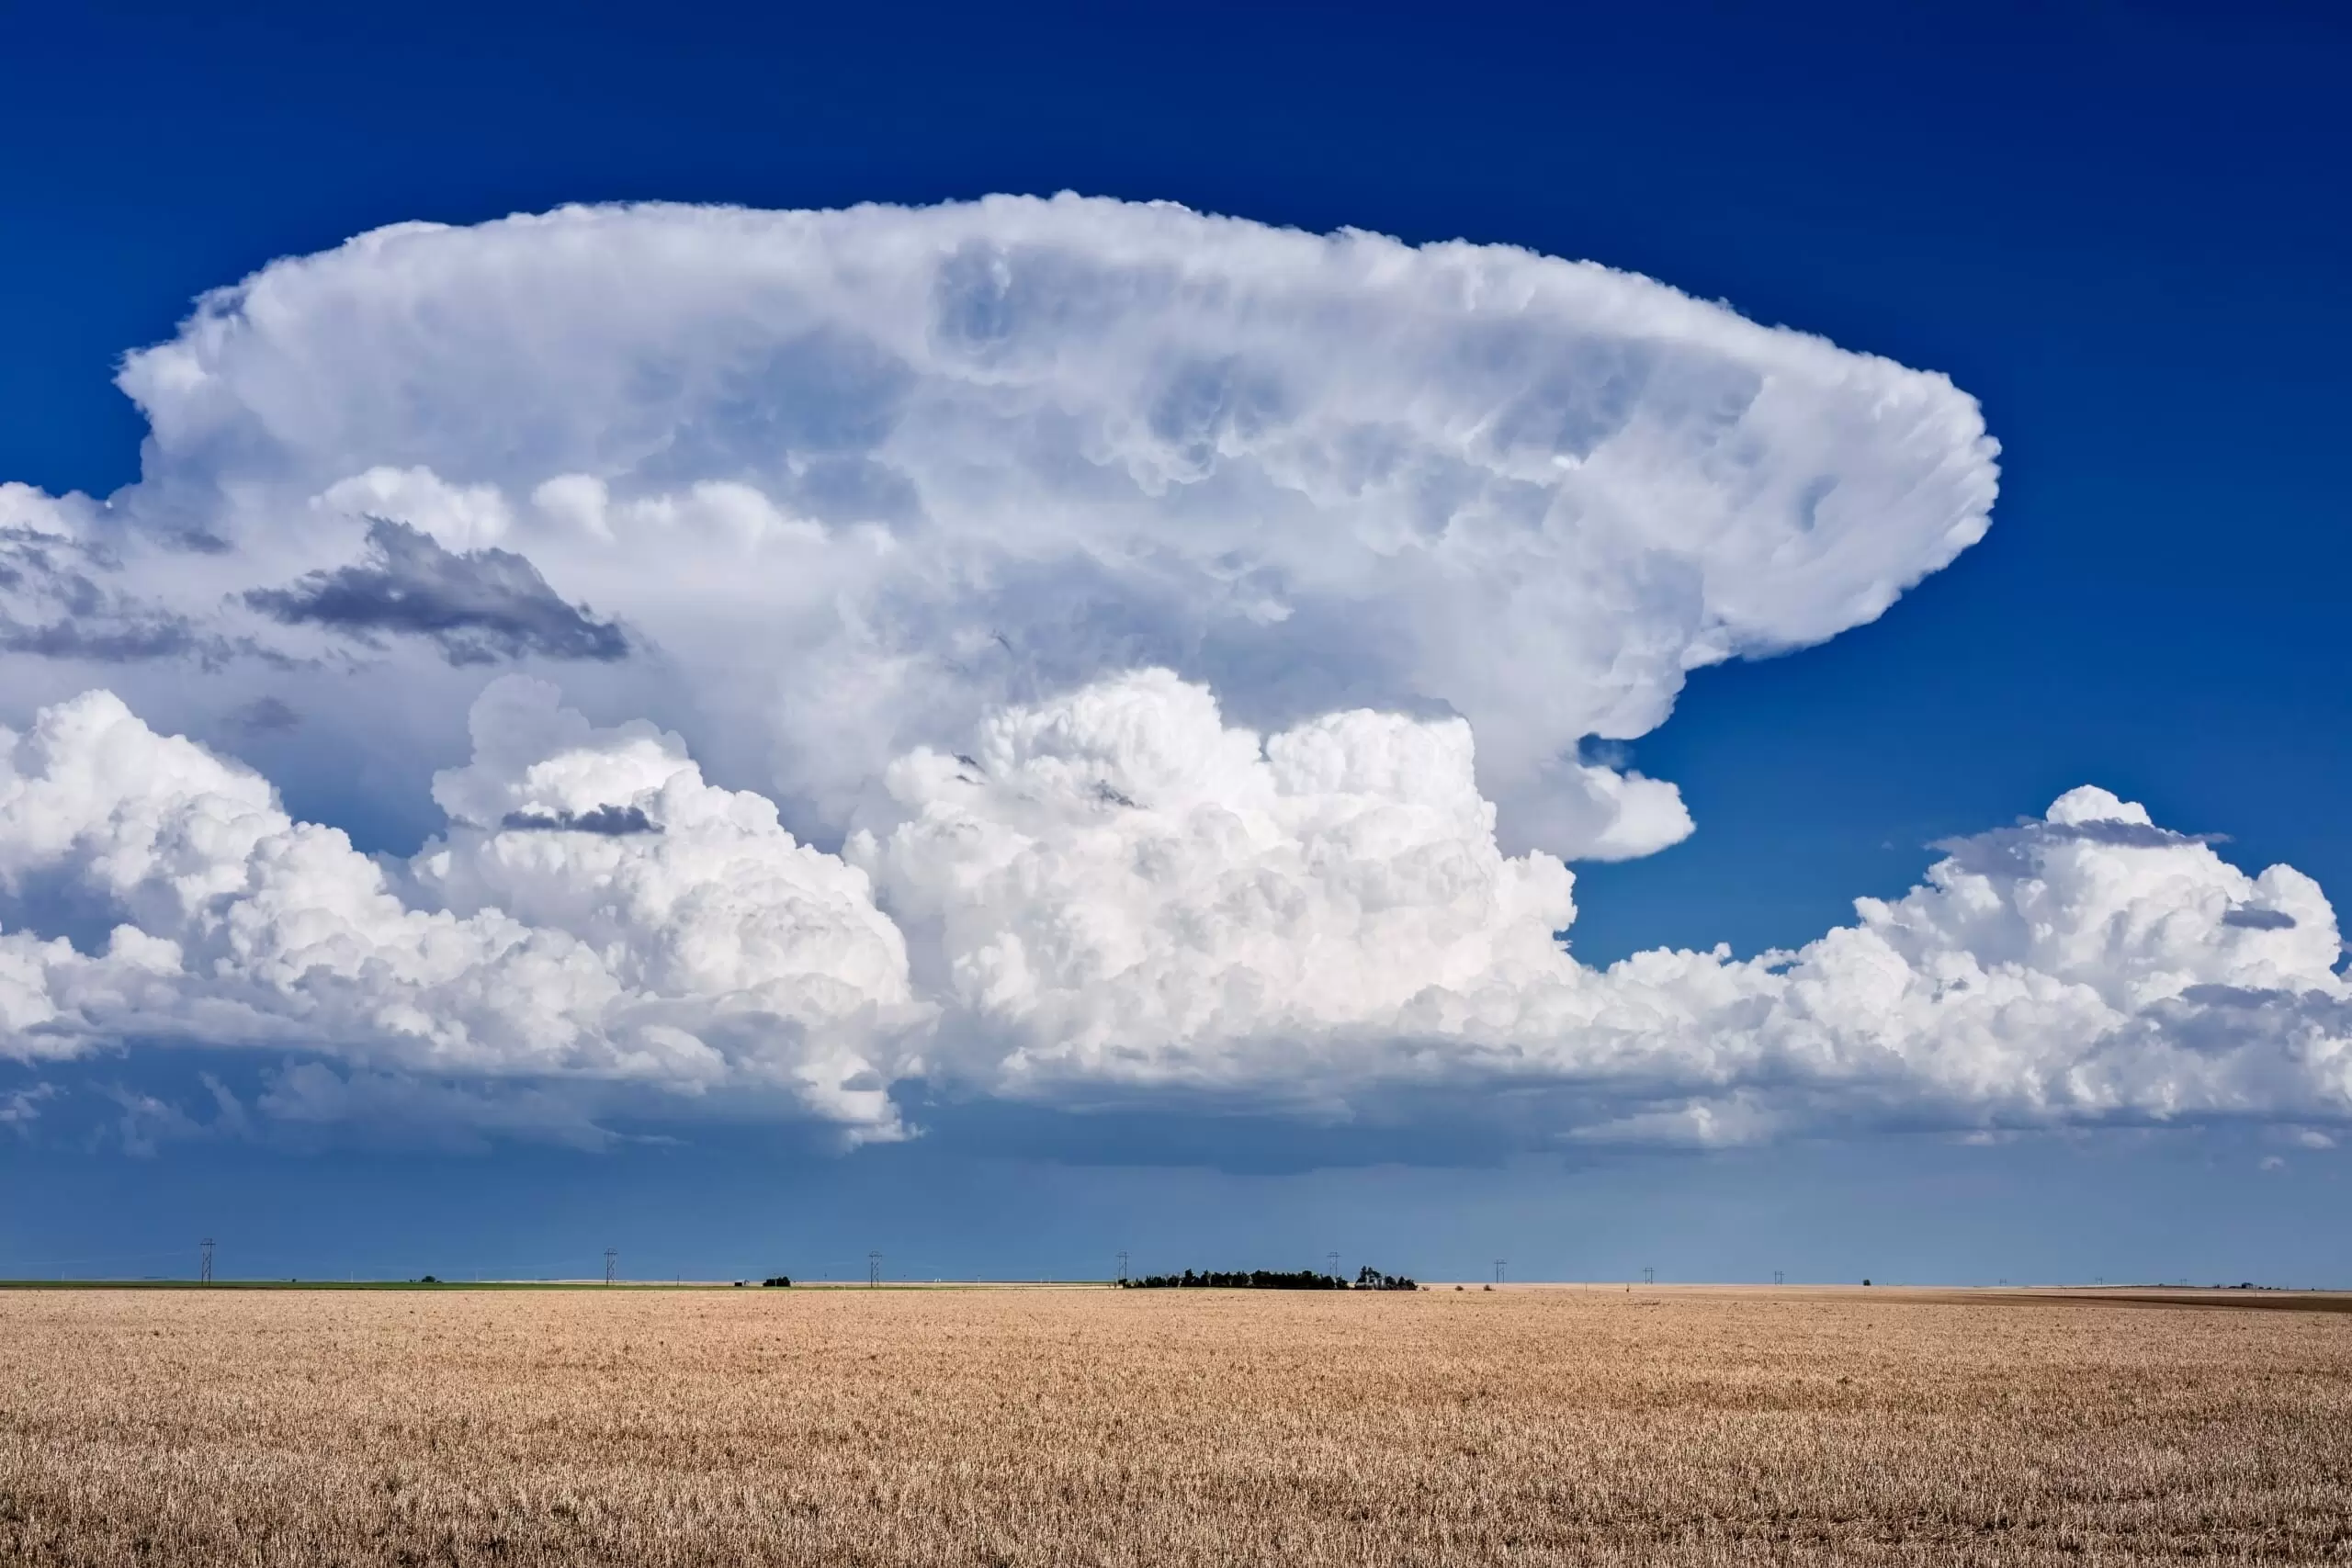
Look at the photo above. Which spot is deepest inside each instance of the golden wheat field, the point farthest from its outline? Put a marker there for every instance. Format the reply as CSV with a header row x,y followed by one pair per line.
x,y
1085,1426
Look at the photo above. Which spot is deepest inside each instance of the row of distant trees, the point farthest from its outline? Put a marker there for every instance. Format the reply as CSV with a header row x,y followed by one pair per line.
x,y
1367,1278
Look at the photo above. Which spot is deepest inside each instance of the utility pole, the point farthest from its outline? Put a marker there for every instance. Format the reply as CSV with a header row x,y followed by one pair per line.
x,y
204,1263
1650,1275
1123,1268
873,1269
1500,1264
612,1264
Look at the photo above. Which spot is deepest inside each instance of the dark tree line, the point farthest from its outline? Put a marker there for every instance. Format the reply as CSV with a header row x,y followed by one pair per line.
x,y
1367,1278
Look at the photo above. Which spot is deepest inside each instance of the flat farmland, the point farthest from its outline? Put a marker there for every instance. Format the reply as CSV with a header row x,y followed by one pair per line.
x,y
1085,1426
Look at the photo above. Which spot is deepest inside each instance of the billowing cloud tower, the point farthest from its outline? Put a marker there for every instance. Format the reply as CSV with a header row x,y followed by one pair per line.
x,y
1085,652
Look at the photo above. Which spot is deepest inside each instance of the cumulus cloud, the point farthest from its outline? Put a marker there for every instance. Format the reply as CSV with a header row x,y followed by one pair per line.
x,y
1121,889
852,479
715,954
1118,887
1114,897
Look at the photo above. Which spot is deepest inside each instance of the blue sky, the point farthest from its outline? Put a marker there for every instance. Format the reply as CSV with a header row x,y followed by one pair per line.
x,y
2109,226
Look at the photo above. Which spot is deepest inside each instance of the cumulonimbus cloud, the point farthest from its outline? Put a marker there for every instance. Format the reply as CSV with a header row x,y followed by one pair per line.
x,y
1191,634
859,477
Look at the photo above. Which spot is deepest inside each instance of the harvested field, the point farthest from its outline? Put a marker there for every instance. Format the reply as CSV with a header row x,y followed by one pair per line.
x,y
985,1426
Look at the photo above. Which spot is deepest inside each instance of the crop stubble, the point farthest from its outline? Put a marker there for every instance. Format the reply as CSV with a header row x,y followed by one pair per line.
x,y
1092,1427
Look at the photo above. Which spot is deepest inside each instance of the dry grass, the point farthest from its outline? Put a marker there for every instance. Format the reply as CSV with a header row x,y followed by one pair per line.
x,y
1085,1427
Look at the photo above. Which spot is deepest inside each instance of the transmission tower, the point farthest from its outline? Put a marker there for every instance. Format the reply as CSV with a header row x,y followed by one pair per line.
x,y
1123,1268
1333,1258
612,1264
204,1263
873,1269
1499,1265
1776,1276
1650,1275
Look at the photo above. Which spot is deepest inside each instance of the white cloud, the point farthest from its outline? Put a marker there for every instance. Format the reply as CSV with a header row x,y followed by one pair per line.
x,y
1119,889
1116,895
1197,633
854,478
471,518
702,950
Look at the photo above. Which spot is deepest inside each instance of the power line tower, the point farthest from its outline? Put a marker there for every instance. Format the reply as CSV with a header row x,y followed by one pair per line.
x,y
204,1263
873,1269
1776,1276
612,1264
1333,1258
1499,1265
1123,1268
1650,1275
